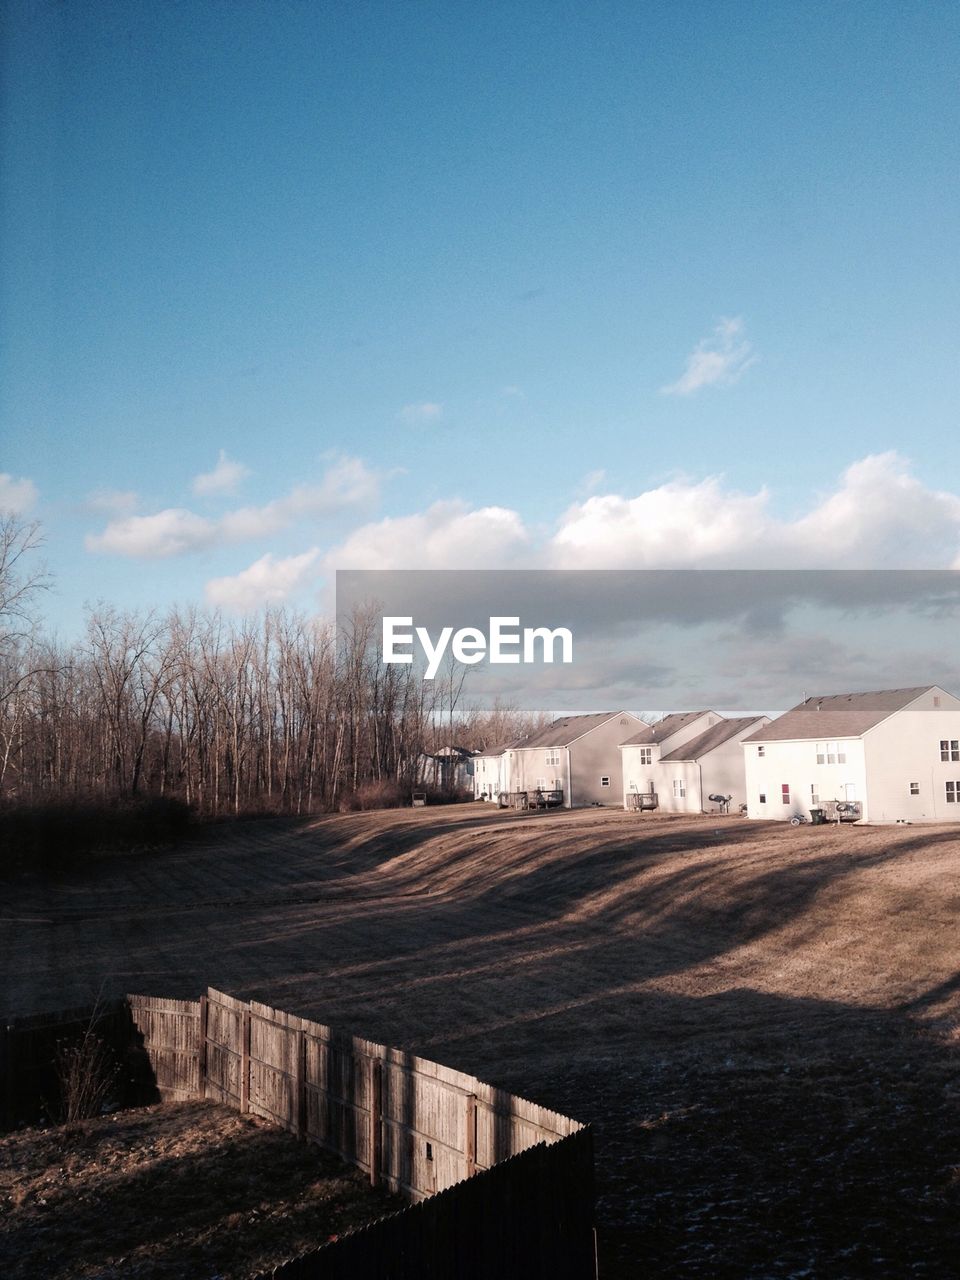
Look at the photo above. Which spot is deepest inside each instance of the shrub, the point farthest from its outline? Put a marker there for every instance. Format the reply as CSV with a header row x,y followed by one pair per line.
x,y
384,794
46,836
87,1073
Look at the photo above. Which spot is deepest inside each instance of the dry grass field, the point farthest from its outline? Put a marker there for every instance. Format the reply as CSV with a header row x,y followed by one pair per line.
x,y
164,1192
760,1021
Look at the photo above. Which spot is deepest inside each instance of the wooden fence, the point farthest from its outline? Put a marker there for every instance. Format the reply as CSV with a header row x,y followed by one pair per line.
x,y
416,1126
530,1216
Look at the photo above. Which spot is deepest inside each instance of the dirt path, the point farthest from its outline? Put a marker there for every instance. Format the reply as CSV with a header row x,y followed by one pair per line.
x,y
758,1019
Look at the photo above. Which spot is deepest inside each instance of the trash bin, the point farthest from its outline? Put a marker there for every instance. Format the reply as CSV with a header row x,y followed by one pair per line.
x,y
817,817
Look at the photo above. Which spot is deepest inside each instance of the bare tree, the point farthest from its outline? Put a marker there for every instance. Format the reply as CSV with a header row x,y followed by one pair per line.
x,y
19,581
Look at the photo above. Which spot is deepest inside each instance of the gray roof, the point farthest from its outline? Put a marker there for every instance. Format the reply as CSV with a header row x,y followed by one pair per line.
x,y
837,715
663,728
712,738
565,730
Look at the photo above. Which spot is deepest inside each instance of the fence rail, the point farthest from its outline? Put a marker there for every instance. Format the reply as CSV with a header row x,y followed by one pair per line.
x,y
421,1129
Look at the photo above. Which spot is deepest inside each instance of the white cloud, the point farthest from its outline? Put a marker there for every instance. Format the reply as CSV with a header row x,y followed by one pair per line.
x,y
224,478
679,523
879,516
448,535
173,532
118,502
717,361
347,483
427,411
267,581
16,496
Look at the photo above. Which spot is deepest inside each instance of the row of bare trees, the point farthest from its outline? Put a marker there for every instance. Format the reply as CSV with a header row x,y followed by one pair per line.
x,y
277,712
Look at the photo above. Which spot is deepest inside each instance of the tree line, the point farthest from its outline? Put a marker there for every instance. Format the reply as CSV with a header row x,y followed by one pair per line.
x,y
278,712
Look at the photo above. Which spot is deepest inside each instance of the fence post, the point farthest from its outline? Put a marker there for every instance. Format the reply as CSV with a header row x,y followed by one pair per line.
x,y
299,1087
470,1146
376,1117
245,1061
7,1086
202,1048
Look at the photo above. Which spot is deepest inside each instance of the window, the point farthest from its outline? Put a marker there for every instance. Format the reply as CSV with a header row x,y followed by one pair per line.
x,y
646,755
814,798
831,753
785,792
914,788
953,792
763,797
761,751
604,781
679,790
553,756
936,700
541,784
949,749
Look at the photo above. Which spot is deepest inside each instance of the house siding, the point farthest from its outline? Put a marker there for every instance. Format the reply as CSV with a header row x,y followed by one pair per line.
x,y
583,762
905,749
635,776
795,764
487,776
877,772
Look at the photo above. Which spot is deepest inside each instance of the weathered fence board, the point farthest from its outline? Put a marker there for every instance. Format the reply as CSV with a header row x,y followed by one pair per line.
x,y
530,1216
418,1127
168,1031
312,1080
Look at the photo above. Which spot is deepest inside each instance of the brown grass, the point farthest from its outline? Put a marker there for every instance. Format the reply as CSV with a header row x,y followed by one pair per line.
x,y
166,1192
760,1020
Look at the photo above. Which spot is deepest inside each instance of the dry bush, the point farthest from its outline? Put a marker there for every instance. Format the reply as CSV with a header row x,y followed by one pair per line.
x,y
87,1073
384,794
46,837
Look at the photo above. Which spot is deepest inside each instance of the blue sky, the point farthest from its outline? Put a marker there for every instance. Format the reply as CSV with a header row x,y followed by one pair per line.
x,y
289,287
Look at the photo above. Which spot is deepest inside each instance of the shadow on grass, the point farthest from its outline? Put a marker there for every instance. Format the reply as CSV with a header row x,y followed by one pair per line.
x,y
207,1202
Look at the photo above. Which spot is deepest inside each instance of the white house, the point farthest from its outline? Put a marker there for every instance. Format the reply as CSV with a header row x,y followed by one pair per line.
x,y
449,769
895,753
640,755
488,774
576,755
711,764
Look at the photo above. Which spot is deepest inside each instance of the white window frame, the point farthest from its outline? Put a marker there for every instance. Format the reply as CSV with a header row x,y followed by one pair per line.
x,y
552,757
679,789
604,780
949,750
646,755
